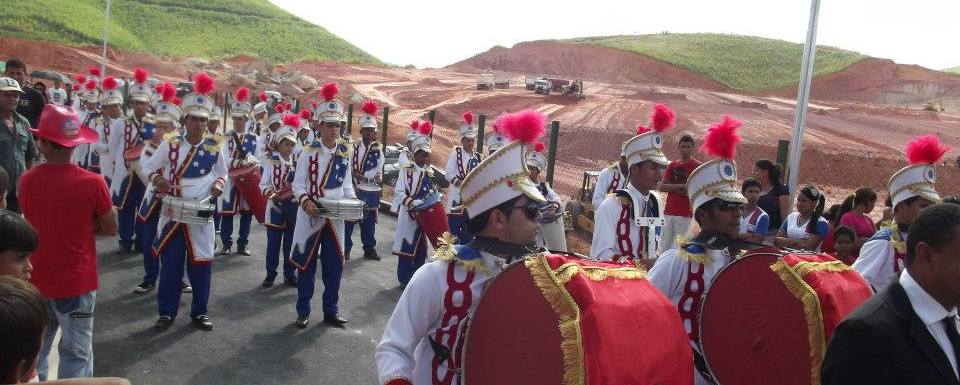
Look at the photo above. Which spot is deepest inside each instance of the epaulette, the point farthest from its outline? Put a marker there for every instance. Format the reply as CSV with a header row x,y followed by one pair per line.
x,y
624,197
408,165
211,144
614,167
883,234
464,256
375,146
99,120
343,147
693,252
173,137
150,118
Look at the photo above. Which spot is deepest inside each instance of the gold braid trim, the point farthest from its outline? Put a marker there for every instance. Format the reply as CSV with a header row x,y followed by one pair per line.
x,y
596,273
568,313
804,268
701,258
811,308
446,252
896,239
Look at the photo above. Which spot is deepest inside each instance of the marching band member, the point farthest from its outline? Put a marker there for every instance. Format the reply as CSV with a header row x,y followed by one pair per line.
x,y
461,160
323,171
111,120
241,145
495,140
911,189
213,122
612,178
683,273
266,135
628,221
85,155
127,187
281,215
536,163
259,112
148,216
413,185
367,166
191,167
420,340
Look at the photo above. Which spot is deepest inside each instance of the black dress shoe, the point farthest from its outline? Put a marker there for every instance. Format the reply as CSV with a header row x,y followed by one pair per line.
x,y
334,320
203,322
185,288
291,281
163,323
243,251
224,250
346,257
303,321
268,282
371,254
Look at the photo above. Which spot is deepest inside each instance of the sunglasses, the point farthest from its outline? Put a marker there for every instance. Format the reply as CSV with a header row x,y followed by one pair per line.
x,y
531,209
724,205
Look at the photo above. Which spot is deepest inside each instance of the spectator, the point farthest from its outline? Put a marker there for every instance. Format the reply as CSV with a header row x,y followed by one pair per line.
x,y
754,222
16,144
23,314
887,217
854,214
843,238
56,94
67,205
17,240
31,102
774,195
805,228
42,89
833,221
674,183
4,187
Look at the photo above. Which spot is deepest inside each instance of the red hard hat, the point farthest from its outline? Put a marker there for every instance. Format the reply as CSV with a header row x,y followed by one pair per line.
x,y
59,124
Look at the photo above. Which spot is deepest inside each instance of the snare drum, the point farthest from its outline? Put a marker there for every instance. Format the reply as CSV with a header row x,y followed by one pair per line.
x,y
432,217
367,184
344,209
189,211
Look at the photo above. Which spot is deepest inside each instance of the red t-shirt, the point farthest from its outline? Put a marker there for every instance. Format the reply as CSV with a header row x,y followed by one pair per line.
x,y
860,224
677,173
62,202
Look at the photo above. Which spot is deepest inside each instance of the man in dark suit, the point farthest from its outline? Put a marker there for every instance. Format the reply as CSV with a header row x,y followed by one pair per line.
x,y
907,333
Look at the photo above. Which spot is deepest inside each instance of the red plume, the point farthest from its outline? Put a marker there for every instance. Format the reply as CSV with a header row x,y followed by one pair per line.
x,y
721,138
76,87
140,75
329,91
241,94
91,85
468,117
526,126
80,79
109,83
369,107
539,146
642,130
278,108
95,71
169,92
926,149
288,106
158,89
414,124
662,118
306,114
177,101
262,96
425,128
313,104
292,120
500,123
202,83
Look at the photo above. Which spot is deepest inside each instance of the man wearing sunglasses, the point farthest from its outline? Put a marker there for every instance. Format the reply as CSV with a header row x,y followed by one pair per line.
x,y
684,272
502,205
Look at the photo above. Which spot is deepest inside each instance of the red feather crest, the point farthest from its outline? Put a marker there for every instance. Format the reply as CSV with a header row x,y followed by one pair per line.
x,y
526,126
288,106
662,118
313,104
292,120
414,124
279,108
158,89
140,75
95,71
468,118
177,101
721,138
500,123
202,83
329,91
80,79
169,92
926,149
539,147
109,83
642,130
91,85
76,87
241,94
369,107
262,96
306,114
425,128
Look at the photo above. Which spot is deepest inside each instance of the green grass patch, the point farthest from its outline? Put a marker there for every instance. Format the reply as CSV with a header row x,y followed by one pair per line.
x,y
215,29
953,70
741,62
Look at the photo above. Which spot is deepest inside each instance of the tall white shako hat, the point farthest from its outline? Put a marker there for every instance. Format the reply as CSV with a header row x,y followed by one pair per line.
x,y
199,103
422,141
503,175
536,158
240,107
369,117
648,143
93,73
140,91
279,111
288,130
331,109
215,113
918,179
168,109
261,106
495,140
467,129
110,91
717,178
90,93
305,117
413,133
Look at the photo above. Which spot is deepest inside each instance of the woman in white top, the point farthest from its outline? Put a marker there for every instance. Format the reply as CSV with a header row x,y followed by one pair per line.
x,y
804,229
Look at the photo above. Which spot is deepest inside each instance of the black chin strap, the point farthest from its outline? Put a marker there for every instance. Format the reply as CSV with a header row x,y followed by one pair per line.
x,y
505,250
715,241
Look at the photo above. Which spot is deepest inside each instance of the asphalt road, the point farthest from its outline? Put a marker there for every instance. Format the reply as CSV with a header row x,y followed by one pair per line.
x,y
254,340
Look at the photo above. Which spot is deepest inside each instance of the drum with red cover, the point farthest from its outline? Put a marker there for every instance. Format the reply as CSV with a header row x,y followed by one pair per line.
x,y
560,319
246,179
432,217
767,317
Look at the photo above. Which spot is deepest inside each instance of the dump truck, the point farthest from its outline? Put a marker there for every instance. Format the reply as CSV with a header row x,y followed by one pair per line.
x,y
501,81
528,82
542,86
485,81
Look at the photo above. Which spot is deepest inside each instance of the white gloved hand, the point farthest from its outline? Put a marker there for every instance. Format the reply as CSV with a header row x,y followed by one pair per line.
x,y
415,203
